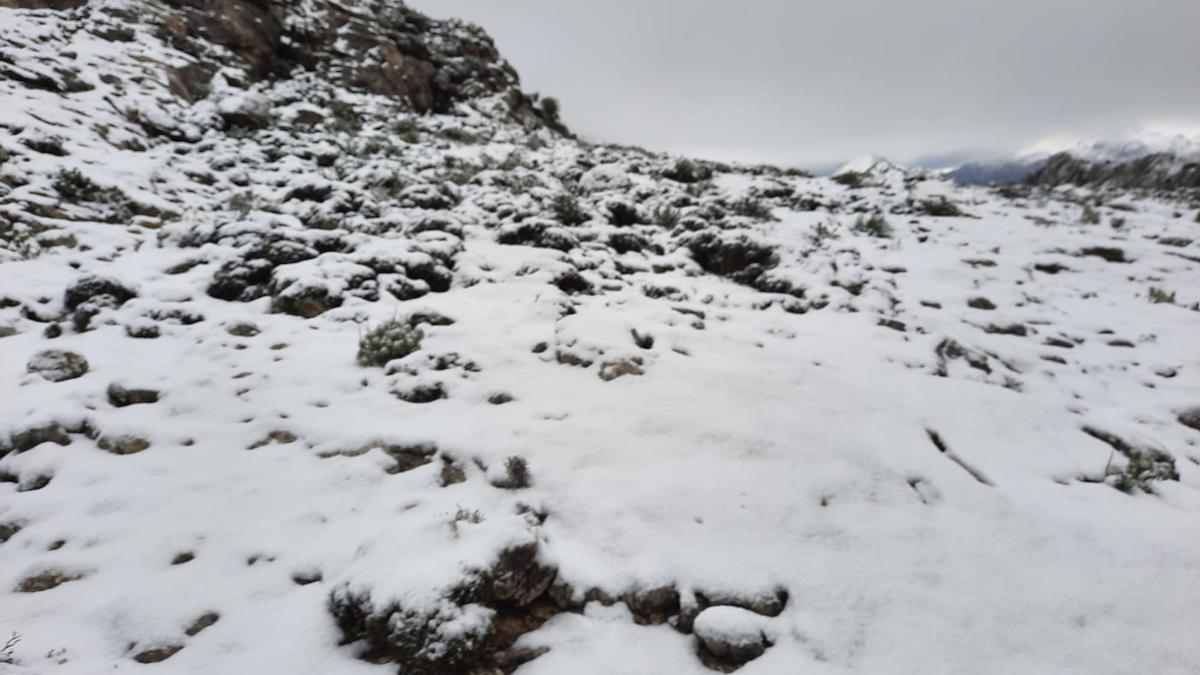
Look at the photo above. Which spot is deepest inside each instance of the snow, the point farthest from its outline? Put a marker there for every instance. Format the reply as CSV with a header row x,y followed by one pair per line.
x,y
770,440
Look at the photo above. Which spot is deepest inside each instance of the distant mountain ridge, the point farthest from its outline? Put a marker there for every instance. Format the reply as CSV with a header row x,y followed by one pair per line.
x,y
1151,161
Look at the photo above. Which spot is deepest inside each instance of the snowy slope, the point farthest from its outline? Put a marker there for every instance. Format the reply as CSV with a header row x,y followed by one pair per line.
x,y
759,430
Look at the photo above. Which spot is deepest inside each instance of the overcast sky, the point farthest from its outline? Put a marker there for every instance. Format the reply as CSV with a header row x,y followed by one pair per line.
x,y
810,83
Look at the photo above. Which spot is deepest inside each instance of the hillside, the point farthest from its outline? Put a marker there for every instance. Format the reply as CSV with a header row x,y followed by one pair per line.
x,y
325,348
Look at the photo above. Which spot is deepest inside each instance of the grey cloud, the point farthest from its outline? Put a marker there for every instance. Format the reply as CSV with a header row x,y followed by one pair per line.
x,y
808,83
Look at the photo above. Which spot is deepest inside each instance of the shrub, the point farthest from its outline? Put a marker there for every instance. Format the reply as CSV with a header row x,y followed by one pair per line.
x,y
875,226
1161,296
1117,223
687,171
567,210
1089,216
8,651
551,108
458,135
665,217
940,207
74,187
824,231
344,118
753,208
511,162
622,214
408,130
516,474
851,179
389,340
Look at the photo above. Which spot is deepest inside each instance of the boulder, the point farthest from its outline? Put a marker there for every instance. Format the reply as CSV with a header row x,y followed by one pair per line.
x,y
57,365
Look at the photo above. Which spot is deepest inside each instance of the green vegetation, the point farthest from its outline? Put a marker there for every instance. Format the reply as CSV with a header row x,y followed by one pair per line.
x,y
567,210
875,226
665,216
76,188
1161,296
753,208
851,179
343,118
940,207
389,340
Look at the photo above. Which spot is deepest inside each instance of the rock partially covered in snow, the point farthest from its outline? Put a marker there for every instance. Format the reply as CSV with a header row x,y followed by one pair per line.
x,y
101,291
730,636
57,365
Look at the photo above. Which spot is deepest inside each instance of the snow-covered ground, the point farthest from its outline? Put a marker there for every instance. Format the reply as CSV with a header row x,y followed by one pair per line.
x,y
755,425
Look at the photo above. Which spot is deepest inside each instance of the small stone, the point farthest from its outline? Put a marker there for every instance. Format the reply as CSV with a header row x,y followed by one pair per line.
x,y
278,436
121,396
181,558
57,365
451,474
52,331
157,654
45,581
124,444
981,303
611,370
306,576
201,623
243,329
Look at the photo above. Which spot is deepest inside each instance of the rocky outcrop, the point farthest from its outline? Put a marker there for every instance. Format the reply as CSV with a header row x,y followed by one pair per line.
x,y
373,46
1161,171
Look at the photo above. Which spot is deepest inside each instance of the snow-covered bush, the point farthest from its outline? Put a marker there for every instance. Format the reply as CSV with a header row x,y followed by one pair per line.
x,y
567,210
387,341
875,226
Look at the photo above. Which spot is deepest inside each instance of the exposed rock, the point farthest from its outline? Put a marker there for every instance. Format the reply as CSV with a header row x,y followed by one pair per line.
x,y
46,580
57,365
1109,253
124,444
1190,418
32,436
470,632
275,437
422,393
7,530
97,290
157,654
1160,171
611,370
452,473
242,329
120,396
409,457
730,637
204,621
653,606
